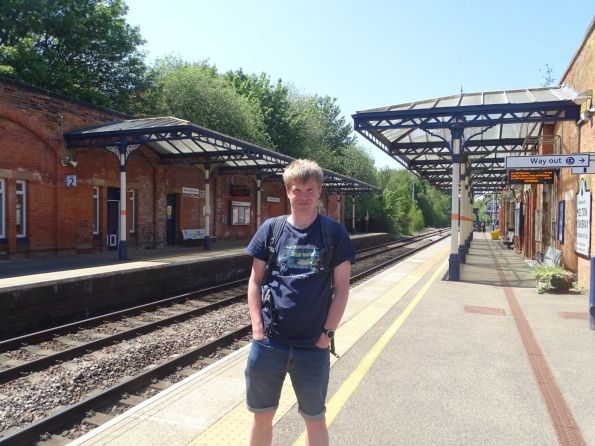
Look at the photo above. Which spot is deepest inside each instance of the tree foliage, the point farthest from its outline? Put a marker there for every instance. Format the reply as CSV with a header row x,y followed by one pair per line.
x,y
273,101
86,50
407,204
197,93
80,48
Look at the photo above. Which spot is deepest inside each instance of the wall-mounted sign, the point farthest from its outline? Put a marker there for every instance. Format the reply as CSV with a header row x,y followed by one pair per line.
x,y
530,177
240,213
273,199
538,222
582,228
190,191
590,169
561,210
492,208
240,191
70,180
547,161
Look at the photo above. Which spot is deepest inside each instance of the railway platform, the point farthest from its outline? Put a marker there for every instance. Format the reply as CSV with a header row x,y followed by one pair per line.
x,y
41,293
24,272
423,361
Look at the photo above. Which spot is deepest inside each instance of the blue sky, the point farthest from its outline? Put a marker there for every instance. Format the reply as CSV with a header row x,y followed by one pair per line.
x,y
370,54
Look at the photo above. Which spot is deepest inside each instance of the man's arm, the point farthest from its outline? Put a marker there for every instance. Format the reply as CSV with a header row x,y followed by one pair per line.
x,y
255,299
341,276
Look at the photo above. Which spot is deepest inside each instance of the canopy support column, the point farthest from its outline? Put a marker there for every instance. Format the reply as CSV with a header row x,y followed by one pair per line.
x,y
454,261
463,214
207,240
468,213
122,151
353,215
258,198
122,245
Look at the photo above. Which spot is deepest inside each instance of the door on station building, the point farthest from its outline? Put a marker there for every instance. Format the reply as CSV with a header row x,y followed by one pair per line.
x,y
113,218
171,219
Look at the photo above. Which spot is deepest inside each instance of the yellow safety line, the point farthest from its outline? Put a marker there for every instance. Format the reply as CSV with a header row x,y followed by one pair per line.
x,y
342,395
234,425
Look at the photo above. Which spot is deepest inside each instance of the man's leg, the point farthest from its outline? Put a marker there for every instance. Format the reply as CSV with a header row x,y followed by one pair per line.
x,y
265,373
261,429
316,433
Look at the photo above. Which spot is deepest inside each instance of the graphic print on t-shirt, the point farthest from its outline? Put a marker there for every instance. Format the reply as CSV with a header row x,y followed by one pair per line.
x,y
299,258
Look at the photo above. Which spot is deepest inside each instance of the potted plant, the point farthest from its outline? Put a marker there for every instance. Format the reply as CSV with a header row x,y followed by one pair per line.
x,y
551,277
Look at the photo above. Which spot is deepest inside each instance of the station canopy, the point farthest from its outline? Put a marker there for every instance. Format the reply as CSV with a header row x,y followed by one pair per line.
x,y
178,141
492,126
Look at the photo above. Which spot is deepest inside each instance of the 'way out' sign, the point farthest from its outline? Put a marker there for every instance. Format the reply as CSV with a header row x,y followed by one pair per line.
x,y
547,161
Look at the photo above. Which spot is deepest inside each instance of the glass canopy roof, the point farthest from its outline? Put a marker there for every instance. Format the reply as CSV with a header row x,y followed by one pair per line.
x,y
179,141
492,125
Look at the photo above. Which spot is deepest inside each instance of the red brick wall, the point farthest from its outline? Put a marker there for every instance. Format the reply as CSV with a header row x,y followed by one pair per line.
x,y
580,75
60,218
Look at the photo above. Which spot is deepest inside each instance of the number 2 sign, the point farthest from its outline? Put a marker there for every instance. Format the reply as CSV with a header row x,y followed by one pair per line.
x,y
70,180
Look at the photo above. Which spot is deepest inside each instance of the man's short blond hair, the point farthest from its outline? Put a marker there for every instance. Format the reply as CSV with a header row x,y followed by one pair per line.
x,y
302,171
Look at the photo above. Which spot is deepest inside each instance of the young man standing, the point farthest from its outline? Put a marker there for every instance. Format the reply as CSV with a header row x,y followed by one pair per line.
x,y
291,334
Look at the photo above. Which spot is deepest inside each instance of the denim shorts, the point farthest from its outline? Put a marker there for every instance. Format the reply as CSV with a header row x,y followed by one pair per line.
x,y
269,362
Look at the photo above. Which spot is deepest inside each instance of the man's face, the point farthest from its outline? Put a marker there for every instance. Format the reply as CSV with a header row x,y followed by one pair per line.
x,y
304,196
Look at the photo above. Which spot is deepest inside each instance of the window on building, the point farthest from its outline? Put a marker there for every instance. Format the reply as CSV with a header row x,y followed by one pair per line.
x,y
95,210
2,212
21,209
132,211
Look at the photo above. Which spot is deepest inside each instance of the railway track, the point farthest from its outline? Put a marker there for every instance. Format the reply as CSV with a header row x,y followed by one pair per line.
x,y
125,334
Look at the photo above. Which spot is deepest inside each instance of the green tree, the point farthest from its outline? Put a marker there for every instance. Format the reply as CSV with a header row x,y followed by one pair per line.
x,y
357,163
197,93
434,205
400,213
80,48
480,205
274,103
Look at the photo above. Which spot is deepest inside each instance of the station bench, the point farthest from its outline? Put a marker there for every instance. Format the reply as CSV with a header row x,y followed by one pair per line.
x,y
508,240
194,237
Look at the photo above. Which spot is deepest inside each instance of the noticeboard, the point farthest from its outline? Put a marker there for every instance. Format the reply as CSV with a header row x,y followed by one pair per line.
x,y
582,225
530,177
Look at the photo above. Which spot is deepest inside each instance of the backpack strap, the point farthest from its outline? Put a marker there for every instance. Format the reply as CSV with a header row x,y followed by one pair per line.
x,y
274,234
329,244
327,237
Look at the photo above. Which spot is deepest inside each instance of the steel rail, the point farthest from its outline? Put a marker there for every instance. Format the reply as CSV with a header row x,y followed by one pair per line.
x,y
55,421
50,333
372,270
69,353
403,243
64,355
33,432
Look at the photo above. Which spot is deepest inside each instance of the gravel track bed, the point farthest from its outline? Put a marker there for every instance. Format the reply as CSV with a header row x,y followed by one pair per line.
x,y
34,397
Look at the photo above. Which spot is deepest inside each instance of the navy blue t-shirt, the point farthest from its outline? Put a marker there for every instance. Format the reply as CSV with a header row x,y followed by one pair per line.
x,y
300,278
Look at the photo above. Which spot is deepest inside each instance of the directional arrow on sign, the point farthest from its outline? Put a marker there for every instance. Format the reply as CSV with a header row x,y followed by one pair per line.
x,y
588,169
548,161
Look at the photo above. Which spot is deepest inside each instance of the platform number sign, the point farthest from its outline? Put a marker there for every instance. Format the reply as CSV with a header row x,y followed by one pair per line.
x,y
70,180
582,238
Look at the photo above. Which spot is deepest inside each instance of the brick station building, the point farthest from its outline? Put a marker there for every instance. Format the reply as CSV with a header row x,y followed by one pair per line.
x,y
548,212
61,201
